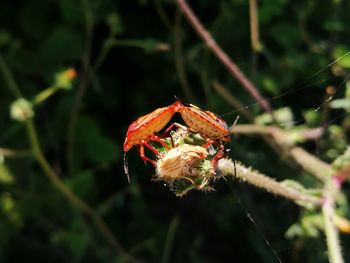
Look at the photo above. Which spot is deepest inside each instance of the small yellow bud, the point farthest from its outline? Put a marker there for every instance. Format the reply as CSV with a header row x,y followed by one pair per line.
x,y
64,79
342,224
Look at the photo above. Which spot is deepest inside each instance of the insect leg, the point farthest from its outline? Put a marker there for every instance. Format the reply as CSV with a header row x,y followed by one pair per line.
x,y
157,139
175,124
219,155
142,153
209,142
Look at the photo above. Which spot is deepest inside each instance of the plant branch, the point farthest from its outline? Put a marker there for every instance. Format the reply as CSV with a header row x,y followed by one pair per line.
x,y
11,83
254,36
222,56
14,153
84,83
254,27
162,14
331,231
49,172
309,162
227,168
178,58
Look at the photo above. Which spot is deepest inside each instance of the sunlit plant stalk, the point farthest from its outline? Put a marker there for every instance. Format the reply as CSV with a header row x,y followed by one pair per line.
x,y
50,173
188,166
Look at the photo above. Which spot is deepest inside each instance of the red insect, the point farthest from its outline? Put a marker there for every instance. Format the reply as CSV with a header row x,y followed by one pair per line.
x,y
143,130
206,123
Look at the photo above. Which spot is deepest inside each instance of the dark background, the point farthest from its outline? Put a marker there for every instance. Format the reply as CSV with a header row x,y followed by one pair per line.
x,y
38,38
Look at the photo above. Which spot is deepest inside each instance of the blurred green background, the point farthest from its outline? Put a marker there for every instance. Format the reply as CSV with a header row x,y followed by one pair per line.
x,y
133,57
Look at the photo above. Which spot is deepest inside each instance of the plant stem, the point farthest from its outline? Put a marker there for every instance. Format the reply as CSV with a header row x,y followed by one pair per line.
x,y
227,167
254,36
14,153
168,244
11,84
331,232
45,94
309,162
84,83
49,172
180,65
254,26
226,95
222,56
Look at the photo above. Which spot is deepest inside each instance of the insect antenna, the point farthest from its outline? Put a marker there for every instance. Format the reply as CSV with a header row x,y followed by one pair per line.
x,y
234,123
175,97
126,168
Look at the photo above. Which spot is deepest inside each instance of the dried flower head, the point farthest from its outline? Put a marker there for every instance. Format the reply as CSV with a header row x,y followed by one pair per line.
x,y
188,165
180,161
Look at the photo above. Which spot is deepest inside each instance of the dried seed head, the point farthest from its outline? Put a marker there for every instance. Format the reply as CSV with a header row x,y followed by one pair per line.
x,y
184,168
180,161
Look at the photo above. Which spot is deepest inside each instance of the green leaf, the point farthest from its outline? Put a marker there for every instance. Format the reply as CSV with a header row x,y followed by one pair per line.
x,y
338,52
66,43
5,174
115,24
96,146
82,183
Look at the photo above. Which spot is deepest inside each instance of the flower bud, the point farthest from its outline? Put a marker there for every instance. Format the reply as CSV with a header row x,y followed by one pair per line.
x,y
64,79
21,110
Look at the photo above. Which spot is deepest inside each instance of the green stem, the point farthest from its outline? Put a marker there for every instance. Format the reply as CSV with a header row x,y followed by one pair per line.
x,y
45,94
331,232
50,173
45,166
170,239
227,167
11,83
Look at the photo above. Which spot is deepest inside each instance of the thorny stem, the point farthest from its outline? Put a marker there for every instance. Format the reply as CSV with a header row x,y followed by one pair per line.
x,y
227,167
310,163
321,171
222,56
328,209
50,173
226,95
